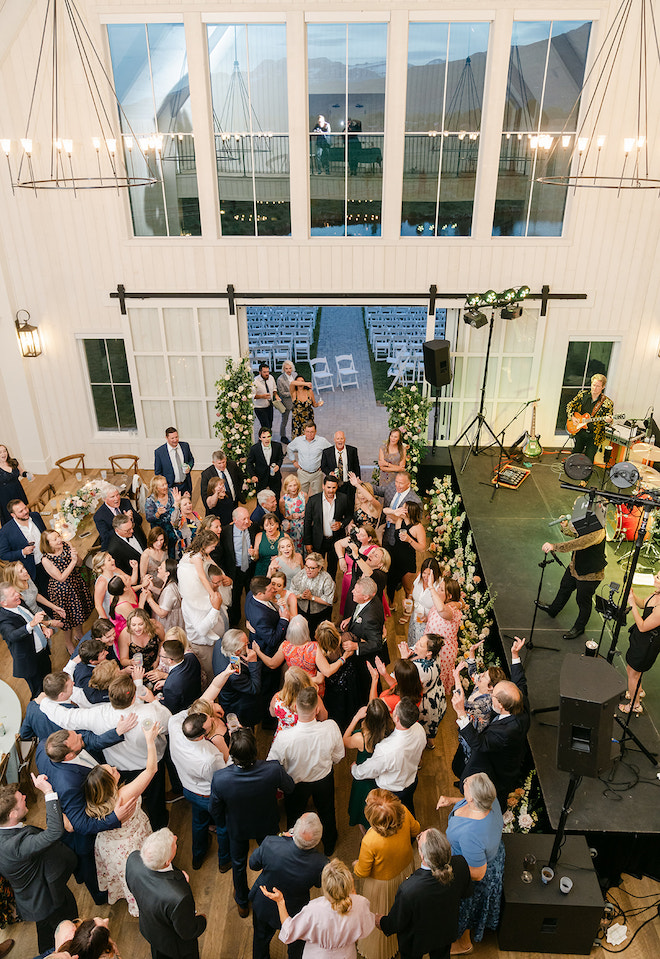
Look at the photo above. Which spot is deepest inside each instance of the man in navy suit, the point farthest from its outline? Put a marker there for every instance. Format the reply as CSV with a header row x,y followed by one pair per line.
x,y
326,516
498,749
26,638
174,461
236,560
341,460
424,915
267,628
244,800
290,862
112,506
67,764
264,462
19,540
184,680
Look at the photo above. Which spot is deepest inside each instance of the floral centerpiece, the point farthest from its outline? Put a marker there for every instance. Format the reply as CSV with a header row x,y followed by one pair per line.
x,y
75,506
409,412
235,411
524,806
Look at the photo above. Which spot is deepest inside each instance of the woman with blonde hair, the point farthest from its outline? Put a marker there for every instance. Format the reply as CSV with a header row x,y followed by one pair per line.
x,y
292,508
189,522
113,847
161,508
66,587
105,569
385,860
287,560
284,599
17,575
342,696
283,703
350,549
103,675
444,620
331,924
367,507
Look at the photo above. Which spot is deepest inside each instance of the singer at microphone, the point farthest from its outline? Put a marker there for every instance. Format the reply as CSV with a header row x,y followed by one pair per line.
x,y
585,571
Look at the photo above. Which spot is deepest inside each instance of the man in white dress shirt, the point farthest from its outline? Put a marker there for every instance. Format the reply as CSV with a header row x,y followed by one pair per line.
x,y
129,756
308,752
396,758
198,750
265,391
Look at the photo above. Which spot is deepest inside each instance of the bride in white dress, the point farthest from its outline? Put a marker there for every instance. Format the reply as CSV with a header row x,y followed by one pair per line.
x,y
113,847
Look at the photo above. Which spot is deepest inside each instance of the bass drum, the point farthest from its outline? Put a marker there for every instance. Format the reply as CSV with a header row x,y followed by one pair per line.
x,y
623,521
613,527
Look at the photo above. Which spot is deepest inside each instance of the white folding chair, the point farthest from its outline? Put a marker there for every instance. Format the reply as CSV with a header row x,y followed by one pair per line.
x,y
322,378
346,373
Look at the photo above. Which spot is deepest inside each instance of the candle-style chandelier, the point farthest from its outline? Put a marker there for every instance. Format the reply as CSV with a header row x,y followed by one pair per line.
x,y
596,159
56,151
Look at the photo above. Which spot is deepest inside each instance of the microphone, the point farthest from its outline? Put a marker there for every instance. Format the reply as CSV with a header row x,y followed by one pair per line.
x,y
562,519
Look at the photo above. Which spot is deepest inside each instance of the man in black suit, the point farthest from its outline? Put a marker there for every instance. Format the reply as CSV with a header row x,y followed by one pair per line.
x,y
499,749
126,543
290,862
113,505
35,863
184,680
236,560
26,638
174,461
19,540
168,920
341,460
244,800
394,497
267,627
233,478
326,517
362,631
424,915
264,462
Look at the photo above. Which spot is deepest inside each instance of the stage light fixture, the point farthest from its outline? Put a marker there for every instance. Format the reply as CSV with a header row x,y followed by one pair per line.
x,y
522,293
475,318
473,300
489,297
511,312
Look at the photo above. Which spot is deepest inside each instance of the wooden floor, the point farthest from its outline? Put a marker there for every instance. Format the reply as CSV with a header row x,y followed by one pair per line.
x,y
230,937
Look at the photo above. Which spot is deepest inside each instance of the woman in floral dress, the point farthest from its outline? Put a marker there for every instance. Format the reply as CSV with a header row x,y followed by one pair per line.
x,y
292,508
434,704
162,509
66,587
283,703
113,847
429,575
444,620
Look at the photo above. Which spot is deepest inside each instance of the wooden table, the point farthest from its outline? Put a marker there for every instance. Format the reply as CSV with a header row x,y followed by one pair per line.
x,y
87,537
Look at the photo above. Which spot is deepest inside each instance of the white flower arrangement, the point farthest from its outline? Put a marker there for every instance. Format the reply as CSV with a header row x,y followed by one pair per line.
x,y
409,413
235,411
519,815
75,506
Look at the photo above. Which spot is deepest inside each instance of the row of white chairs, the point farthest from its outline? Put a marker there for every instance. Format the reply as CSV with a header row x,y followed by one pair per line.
x,y
323,378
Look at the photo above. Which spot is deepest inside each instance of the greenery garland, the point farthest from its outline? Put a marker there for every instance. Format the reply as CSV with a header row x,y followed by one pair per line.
x,y
235,411
409,412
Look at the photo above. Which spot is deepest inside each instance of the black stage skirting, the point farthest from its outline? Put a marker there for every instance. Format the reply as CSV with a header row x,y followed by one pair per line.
x,y
508,533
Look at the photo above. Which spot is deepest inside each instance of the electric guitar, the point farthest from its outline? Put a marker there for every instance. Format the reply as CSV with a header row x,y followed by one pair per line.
x,y
532,448
580,421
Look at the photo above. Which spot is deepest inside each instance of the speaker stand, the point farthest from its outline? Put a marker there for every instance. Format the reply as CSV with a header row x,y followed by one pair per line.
x,y
479,420
628,734
571,789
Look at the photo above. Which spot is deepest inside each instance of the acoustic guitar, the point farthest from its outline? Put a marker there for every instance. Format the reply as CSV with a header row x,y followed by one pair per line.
x,y
532,448
580,421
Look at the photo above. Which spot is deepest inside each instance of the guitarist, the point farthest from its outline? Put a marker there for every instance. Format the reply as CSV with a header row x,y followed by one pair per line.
x,y
594,404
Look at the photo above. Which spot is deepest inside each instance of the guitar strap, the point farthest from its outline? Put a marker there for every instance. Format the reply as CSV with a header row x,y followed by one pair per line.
x,y
597,406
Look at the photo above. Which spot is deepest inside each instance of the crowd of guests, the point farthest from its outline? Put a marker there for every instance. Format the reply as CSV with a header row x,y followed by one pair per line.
x,y
168,684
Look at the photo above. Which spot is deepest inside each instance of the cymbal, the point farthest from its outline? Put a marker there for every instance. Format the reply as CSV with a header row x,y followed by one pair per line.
x,y
645,451
649,477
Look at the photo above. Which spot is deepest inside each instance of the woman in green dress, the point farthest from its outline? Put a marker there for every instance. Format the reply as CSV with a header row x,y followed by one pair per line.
x,y
266,543
377,723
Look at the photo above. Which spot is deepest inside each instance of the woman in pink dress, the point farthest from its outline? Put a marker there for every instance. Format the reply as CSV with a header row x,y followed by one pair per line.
x,y
346,549
444,620
331,924
283,703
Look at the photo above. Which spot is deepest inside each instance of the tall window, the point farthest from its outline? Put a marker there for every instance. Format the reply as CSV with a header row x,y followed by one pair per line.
x,y
446,69
346,78
250,123
546,72
151,79
583,359
110,385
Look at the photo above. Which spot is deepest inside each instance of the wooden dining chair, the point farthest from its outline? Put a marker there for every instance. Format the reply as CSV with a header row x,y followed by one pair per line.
x,y
3,769
70,465
124,463
44,496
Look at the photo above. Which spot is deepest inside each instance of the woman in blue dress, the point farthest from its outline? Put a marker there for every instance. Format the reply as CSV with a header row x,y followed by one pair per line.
x,y
475,832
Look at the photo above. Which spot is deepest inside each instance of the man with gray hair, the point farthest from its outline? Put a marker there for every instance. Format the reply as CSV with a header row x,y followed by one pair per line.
x,y
290,862
168,920
266,503
112,506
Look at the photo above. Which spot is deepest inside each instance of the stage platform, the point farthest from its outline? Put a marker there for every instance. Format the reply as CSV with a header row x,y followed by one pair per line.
x,y
509,530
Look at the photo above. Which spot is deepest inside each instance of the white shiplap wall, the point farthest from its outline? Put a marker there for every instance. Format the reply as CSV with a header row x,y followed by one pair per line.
x,y
60,257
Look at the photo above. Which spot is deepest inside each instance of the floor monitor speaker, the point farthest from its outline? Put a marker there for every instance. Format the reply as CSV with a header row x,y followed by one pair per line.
x,y
589,691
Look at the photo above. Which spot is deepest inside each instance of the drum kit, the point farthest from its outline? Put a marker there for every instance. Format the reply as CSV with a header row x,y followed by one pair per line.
x,y
638,472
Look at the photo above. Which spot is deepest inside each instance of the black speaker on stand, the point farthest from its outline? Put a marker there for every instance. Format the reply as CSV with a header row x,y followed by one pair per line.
x,y
589,692
437,362
437,373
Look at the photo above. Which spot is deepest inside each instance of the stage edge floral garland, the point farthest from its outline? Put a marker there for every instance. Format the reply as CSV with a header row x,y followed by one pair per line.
x,y
235,412
409,412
